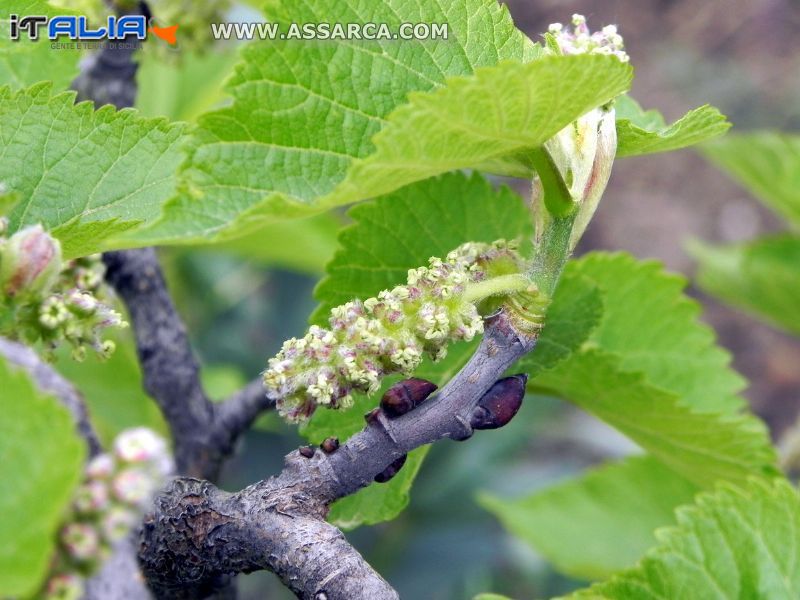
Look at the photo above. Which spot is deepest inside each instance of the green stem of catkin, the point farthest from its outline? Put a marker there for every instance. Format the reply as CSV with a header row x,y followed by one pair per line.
x,y
496,286
552,253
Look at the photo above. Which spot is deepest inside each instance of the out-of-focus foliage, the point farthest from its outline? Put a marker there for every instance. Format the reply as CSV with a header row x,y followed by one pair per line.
x,y
182,91
113,390
600,523
25,62
762,276
765,163
41,458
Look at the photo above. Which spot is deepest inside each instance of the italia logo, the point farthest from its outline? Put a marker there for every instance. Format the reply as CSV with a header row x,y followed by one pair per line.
x,y
77,28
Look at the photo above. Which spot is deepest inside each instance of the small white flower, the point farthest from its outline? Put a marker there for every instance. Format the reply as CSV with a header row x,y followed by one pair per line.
x,y
139,445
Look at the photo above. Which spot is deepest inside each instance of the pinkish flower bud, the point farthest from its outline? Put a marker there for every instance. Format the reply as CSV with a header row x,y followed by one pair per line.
x,y
81,541
100,467
91,497
65,586
133,486
139,445
29,262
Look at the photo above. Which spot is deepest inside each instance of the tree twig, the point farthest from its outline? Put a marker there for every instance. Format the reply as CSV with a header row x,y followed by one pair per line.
x,y
199,536
171,372
51,382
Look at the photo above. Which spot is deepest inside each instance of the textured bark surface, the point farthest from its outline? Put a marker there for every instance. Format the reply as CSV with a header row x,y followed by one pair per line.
x,y
171,372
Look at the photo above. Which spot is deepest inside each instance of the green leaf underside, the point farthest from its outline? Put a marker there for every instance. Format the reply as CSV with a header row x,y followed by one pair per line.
x,y
304,245
702,447
651,370
183,91
599,523
84,174
765,163
760,277
300,140
25,62
41,459
645,132
391,235
655,329
732,544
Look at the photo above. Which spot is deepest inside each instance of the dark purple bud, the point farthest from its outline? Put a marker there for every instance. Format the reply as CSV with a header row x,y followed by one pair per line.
x,y
372,416
391,470
330,445
499,405
307,451
406,395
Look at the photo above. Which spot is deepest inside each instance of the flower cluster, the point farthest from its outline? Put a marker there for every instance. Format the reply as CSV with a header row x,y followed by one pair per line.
x,y
43,298
107,505
388,334
579,40
584,151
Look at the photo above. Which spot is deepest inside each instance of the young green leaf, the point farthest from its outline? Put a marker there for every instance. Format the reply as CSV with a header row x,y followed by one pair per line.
x,y
645,132
655,329
703,447
120,167
765,163
576,310
599,523
761,277
24,62
731,544
288,142
41,464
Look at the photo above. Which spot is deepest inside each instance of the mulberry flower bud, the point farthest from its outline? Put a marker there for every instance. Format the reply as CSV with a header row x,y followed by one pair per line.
x,y
579,40
584,153
91,497
65,586
29,262
117,522
81,541
139,445
133,486
100,467
387,334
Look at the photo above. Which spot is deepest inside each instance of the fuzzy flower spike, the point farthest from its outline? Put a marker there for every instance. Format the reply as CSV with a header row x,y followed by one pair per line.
x,y
579,40
387,334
